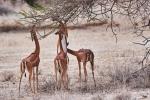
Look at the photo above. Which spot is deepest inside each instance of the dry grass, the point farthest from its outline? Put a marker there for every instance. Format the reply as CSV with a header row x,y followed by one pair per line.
x,y
123,96
13,25
114,63
18,26
85,26
5,11
97,98
116,74
7,76
140,78
48,85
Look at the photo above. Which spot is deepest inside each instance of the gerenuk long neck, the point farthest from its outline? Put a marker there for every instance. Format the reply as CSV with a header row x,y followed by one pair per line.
x,y
37,45
61,48
72,52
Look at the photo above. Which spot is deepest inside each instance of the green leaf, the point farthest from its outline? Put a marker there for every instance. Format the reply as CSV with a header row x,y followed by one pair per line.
x,y
25,14
30,2
34,4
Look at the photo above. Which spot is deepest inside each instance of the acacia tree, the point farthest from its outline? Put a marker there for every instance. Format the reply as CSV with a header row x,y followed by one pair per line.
x,y
137,11
72,10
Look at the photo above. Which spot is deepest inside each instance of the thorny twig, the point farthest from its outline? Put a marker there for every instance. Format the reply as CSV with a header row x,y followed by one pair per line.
x,y
70,11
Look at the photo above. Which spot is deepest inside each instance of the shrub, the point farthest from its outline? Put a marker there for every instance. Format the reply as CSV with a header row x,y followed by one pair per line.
x,y
7,76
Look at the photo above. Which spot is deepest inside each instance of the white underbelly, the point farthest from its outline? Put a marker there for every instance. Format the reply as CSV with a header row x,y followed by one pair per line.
x,y
64,44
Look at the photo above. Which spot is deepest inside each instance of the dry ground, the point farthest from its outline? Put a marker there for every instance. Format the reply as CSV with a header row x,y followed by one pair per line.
x,y
113,63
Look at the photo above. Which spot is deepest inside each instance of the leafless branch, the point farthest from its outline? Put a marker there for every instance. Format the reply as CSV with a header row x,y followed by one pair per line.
x,y
69,11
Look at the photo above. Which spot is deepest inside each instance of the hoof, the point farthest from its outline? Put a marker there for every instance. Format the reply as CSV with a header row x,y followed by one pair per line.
x,y
85,81
79,80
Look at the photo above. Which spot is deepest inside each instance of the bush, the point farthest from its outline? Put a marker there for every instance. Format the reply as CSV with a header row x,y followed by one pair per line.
x,y
123,96
7,76
47,86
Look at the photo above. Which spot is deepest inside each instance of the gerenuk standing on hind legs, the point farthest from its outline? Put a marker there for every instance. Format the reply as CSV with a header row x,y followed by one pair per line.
x,y
61,60
31,62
